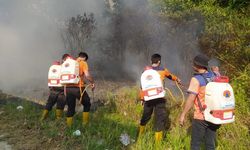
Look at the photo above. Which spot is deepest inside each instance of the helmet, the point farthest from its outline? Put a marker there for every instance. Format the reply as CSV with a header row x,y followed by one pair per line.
x,y
201,60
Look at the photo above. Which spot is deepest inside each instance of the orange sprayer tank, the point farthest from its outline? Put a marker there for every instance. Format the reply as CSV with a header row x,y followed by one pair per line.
x,y
54,76
220,102
70,72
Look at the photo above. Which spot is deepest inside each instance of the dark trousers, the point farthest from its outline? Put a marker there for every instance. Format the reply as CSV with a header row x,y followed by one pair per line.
x,y
73,93
158,106
203,130
56,95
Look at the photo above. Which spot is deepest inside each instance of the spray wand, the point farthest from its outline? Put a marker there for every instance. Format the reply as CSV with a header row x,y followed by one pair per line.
x,y
82,92
182,94
179,88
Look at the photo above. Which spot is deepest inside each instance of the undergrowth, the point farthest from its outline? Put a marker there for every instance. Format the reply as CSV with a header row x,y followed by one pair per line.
x,y
120,114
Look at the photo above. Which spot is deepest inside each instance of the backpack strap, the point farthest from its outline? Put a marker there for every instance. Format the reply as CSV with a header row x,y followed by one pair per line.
x,y
199,104
205,79
198,99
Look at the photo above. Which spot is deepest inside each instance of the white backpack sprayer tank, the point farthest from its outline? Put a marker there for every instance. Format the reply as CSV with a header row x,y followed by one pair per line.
x,y
220,101
70,72
54,75
151,85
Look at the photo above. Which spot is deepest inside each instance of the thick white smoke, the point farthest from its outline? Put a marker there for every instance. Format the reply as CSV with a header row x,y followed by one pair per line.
x,y
127,33
30,39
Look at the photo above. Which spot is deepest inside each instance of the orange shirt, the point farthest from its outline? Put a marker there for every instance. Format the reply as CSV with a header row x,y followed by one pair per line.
x,y
82,71
195,88
164,73
83,68
198,87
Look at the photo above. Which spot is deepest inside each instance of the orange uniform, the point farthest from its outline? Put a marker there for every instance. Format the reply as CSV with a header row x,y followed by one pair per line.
x,y
198,90
197,86
74,92
164,73
83,68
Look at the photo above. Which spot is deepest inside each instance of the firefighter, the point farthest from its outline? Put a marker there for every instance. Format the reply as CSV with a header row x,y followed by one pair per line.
x,y
158,105
74,91
56,96
201,129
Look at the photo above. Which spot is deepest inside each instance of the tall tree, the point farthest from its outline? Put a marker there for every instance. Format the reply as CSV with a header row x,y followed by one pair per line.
x,y
78,32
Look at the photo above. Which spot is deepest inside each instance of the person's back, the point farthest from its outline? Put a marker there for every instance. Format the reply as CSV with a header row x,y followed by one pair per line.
x,y
77,91
202,79
56,95
201,129
158,105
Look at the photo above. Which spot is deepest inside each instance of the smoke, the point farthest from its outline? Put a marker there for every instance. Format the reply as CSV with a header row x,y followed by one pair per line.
x,y
134,32
30,39
128,33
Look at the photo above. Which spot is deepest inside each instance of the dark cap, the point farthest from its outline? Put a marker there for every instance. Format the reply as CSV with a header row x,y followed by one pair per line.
x,y
201,60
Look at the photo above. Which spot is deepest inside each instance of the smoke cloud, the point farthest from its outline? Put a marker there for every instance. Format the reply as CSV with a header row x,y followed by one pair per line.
x,y
128,33
30,39
134,32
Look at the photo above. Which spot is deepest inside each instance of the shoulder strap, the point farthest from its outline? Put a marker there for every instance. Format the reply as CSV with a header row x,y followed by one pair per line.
x,y
205,79
199,104
214,74
198,99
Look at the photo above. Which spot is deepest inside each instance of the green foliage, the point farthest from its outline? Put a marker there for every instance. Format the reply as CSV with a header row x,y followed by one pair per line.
x,y
233,4
121,114
225,36
241,84
226,31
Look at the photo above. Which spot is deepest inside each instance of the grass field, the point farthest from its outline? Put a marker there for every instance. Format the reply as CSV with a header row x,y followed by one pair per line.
x,y
120,114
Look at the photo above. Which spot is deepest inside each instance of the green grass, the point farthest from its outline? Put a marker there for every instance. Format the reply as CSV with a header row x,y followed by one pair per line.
x,y
120,114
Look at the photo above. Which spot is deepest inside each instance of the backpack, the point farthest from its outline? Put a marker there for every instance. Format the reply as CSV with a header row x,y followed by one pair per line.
x,y
151,85
54,75
219,101
70,72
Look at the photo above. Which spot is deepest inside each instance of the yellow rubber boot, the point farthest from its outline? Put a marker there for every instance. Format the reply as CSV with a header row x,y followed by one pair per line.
x,y
44,114
85,118
69,121
141,130
158,136
59,113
